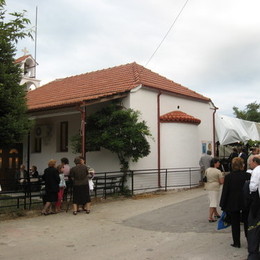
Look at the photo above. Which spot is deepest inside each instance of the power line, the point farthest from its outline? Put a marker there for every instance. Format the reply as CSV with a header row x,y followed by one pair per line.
x,y
175,20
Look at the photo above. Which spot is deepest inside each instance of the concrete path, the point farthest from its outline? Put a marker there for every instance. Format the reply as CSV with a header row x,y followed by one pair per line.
x,y
169,226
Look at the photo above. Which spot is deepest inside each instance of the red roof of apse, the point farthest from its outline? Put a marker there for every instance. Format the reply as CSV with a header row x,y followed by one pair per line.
x,y
100,84
21,58
179,117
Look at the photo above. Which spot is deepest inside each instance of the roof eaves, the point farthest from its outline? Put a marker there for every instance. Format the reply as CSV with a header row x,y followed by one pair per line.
x,y
202,98
87,101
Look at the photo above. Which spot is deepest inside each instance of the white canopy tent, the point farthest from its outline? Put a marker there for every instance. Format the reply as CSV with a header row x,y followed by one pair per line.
x,y
231,130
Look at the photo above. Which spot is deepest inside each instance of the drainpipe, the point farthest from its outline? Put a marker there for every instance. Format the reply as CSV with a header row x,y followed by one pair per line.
x,y
28,151
82,130
214,129
159,139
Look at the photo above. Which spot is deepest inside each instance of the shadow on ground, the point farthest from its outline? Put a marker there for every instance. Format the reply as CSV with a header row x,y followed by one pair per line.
x,y
188,216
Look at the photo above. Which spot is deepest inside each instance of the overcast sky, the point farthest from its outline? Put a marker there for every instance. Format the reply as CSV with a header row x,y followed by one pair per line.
x,y
213,48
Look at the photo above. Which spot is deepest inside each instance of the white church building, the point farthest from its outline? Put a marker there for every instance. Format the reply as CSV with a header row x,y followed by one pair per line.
x,y
181,121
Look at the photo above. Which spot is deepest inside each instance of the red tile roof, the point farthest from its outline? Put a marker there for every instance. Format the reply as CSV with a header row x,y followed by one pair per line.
x,y
22,58
179,117
100,84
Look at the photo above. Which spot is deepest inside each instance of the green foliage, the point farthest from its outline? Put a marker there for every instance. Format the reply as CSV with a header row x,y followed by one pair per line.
x,y
119,131
250,113
75,142
252,143
14,123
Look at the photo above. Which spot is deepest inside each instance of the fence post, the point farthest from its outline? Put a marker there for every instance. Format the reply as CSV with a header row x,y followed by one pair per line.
x,y
105,186
190,177
166,179
132,184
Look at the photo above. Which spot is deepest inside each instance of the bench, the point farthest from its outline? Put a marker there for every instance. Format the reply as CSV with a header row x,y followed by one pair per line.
x,y
108,184
23,190
12,195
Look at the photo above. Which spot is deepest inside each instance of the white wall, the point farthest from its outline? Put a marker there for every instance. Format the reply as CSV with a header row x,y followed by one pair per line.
x,y
182,137
200,110
145,101
49,145
179,145
103,161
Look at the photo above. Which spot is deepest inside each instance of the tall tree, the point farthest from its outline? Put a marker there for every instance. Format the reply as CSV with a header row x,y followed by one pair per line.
x,y
250,113
14,122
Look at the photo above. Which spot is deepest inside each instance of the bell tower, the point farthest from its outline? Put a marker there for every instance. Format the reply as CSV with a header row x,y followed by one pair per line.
x,y
28,67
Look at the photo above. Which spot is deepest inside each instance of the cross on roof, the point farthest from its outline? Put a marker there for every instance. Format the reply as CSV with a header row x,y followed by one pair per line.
x,y
25,51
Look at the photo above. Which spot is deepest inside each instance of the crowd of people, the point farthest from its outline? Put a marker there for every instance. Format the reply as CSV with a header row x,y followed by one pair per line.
x,y
237,192
58,179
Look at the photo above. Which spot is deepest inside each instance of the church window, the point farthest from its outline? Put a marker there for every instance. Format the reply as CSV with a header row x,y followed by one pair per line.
x,y
64,137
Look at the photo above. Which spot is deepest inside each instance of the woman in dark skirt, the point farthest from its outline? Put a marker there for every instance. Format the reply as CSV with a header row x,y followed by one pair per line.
x,y
79,175
52,180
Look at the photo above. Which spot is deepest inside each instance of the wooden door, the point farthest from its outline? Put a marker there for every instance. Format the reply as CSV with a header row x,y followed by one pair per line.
x,y
10,161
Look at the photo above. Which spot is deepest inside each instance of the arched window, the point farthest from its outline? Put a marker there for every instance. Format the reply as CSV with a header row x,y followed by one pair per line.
x,y
13,159
30,86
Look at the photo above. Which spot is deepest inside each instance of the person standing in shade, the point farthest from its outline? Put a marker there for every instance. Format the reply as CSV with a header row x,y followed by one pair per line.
x,y
62,186
214,180
33,172
232,198
34,179
22,178
52,179
204,162
66,172
79,175
231,156
22,175
253,235
243,154
254,151
66,167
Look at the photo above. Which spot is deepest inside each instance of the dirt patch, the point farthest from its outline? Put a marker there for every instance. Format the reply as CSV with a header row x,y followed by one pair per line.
x,y
19,214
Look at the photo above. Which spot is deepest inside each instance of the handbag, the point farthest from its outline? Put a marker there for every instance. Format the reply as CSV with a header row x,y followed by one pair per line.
x,y
91,184
42,191
224,221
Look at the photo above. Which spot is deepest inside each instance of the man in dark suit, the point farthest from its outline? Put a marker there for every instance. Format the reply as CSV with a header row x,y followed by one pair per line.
x,y
232,200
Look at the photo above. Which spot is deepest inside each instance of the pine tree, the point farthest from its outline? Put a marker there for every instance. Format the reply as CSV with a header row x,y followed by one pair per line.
x,y
14,122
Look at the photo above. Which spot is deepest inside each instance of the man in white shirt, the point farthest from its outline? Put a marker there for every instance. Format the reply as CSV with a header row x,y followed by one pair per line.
x,y
255,178
253,237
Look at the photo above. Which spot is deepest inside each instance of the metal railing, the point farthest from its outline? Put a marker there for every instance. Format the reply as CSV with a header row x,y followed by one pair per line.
x,y
140,181
135,182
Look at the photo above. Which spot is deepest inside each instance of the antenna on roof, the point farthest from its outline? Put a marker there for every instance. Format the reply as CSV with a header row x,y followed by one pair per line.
x,y
35,40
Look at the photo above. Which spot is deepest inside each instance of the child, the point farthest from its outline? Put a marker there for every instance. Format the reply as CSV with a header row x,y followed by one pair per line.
x,y
62,186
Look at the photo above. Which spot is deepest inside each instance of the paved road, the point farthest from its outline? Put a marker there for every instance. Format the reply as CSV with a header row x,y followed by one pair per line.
x,y
169,226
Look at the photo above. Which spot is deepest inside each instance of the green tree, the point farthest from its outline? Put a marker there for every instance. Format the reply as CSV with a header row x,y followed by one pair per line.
x,y
250,113
118,130
14,122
